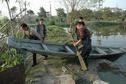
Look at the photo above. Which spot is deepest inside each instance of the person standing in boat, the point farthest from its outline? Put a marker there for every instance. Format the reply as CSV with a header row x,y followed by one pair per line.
x,y
83,42
31,34
41,29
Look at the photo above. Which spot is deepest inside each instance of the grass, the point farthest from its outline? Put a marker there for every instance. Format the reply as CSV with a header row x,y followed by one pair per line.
x,y
10,59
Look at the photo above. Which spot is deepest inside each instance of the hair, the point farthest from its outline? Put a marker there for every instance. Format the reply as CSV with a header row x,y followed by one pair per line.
x,y
24,26
41,19
81,18
80,22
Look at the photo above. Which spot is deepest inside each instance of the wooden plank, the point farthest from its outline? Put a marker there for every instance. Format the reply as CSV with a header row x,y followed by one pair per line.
x,y
82,63
45,47
114,51
122,49
69,50
100,51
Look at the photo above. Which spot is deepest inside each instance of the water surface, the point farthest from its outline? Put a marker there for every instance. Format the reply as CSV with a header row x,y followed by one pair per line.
x,y
112,36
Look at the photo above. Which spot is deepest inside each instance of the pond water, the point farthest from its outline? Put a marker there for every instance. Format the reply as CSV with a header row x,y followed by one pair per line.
x,y
113,36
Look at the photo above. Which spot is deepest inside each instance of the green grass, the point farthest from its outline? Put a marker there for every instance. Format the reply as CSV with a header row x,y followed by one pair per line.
x,y
57,34
9,58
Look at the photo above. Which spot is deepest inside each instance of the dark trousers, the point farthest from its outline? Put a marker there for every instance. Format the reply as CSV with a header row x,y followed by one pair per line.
x,y
34,59
85,55
34,54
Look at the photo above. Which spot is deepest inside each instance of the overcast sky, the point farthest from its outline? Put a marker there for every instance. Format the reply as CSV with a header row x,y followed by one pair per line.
x,y
36,4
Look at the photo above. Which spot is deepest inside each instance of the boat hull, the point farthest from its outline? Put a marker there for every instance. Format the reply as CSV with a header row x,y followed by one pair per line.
x,y
62,50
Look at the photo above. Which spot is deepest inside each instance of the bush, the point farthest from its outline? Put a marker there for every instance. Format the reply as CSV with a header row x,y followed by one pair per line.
x,y
9,58
52,22
103,23
57,34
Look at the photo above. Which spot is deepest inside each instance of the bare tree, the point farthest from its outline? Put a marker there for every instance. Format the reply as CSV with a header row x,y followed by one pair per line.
x,y
22,5
73,5
26,3
7,2
13,10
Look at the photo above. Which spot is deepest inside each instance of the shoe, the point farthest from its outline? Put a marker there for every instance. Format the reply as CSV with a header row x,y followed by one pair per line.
x,y
45,57
34,65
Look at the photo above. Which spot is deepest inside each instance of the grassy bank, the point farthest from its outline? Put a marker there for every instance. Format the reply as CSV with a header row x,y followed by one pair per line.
x,y
57,34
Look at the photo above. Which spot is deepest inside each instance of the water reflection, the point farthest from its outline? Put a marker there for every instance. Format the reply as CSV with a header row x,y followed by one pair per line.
x,y
109,36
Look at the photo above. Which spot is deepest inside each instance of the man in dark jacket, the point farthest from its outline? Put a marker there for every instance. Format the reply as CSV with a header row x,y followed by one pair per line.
x,y
41,29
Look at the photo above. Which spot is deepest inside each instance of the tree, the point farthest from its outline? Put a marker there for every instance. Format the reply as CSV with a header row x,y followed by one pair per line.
x,y
73,5
87,14
26,3
13,10
72,16
30,12
42,12
22,5
20,2
98,15
61,14
7,2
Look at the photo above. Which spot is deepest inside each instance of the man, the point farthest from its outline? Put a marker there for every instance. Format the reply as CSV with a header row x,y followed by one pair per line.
x,y
41,29
30,34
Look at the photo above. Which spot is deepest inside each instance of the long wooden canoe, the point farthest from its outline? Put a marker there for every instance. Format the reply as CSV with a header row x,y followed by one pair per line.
x,y
63,50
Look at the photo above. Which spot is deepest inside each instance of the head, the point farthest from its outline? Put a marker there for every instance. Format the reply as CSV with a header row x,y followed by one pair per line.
x,y
24,27
41,21
81,19
80,25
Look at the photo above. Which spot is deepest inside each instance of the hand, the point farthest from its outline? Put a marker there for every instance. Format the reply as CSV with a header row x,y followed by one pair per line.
x,y
75,44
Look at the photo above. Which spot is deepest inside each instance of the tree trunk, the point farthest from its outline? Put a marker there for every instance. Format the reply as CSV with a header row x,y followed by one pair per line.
x,y
8,8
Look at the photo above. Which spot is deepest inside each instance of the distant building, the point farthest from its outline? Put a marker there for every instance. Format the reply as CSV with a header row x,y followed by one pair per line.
x,y
115,9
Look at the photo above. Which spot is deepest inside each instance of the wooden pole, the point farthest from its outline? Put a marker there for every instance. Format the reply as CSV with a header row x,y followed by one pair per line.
x,y
82,63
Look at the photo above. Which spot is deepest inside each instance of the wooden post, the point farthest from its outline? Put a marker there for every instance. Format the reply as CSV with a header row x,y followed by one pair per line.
x,y
82,63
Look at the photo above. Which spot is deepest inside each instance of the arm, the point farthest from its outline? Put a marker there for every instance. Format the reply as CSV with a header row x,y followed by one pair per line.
x,y
77,43
45,30
81,33
36,34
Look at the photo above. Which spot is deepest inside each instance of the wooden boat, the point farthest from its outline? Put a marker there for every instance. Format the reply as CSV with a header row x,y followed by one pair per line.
x,y
63,50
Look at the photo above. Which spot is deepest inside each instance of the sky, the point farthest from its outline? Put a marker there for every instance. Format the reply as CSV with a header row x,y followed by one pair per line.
x,y
36,4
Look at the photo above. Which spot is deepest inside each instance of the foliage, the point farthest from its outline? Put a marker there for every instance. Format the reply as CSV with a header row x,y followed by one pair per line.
x,y
51,22
19,35
29,19
108,30
61,15
30,12
109,14
42,13
5,29
87,14
76,5
106,14
10,58
103,23
13,10
60,12
72,16
57,34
